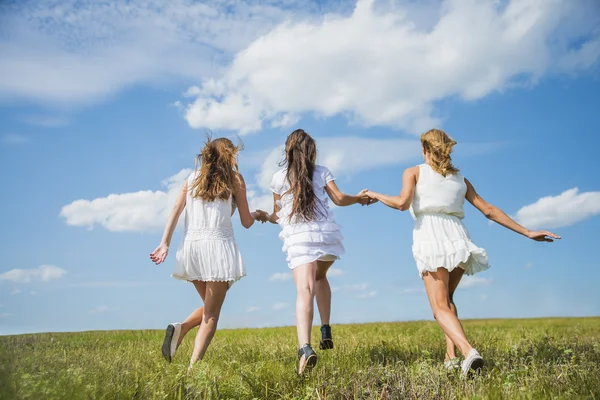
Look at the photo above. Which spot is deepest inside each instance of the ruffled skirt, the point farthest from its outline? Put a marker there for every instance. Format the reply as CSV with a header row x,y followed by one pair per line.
x,y
441,240
310,241
209,260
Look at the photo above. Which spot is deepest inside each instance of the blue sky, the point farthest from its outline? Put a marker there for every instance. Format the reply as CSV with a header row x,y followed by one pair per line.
x,y
101,113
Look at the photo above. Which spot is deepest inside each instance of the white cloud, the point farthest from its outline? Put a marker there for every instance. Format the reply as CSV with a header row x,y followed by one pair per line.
x,y
279,306
381,65
75,52
4,315
335,272
138,211
43,273
528,265
114,284
412,290
33,293
15,292
11,138
357,287
471,281
280,276
367,295
335,289
566,209
252,309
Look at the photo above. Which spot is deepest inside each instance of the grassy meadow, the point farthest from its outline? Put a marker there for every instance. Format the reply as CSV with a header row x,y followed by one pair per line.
x,y
537,358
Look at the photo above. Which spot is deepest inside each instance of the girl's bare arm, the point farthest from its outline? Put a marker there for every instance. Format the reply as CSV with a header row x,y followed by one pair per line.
x,y
497,215
401,202
160,253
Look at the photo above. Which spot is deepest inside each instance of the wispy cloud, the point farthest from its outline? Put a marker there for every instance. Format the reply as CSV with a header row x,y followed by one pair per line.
x,y
45,121
472,281
252,309
528,265
334,272
43,273
357,287
369,294
281,276
566,209
12,138
76,52
412,290
279,306
15,292
102,309
114,284
4,315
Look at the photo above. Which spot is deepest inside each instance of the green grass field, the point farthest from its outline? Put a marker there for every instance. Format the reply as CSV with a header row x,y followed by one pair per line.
x,y
538,358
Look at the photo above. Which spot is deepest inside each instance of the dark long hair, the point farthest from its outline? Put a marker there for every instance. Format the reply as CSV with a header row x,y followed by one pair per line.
x,y
218,169
300,158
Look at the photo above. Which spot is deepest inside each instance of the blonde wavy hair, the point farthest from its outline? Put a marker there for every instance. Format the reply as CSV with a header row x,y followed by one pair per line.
x,y
218,170
439,146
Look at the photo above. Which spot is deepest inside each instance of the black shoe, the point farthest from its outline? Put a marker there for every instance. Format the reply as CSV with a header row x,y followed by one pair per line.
x,y
326,339
310,357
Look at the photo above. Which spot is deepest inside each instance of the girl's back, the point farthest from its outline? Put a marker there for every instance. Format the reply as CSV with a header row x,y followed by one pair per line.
x,y
438,194
208,216
281,186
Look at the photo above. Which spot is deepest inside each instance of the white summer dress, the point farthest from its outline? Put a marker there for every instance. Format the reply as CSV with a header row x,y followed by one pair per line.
x,y
440,239
208,251
305,242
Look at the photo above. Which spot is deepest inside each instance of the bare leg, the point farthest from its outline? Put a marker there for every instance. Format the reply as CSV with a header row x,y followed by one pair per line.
x,y
214,296
192,321
436,285
304,276
323,291
455,277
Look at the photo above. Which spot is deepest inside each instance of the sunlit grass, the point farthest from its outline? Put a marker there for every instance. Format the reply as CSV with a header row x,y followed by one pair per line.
x,y
539,358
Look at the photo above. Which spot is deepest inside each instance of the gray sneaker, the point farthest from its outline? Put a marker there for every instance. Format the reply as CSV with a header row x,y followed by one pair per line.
x,y
170,342
472,363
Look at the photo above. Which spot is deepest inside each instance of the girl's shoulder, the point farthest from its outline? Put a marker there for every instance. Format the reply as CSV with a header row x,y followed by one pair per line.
x,y
278,180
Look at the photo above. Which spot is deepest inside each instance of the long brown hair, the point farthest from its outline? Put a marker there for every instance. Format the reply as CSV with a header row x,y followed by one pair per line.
x,y
439,146
218,170
300,158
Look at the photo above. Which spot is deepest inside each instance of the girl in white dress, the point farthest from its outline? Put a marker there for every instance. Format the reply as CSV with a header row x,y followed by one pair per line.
x,y
311,237
435,193
208,255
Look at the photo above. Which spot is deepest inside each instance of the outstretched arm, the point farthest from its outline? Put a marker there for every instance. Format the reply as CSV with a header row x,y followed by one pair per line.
x,y
403,201
497,215
246,217
342,199
160,253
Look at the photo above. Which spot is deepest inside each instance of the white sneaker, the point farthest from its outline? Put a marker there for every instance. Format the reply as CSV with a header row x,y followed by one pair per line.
x,y
473,362
452,364
170,343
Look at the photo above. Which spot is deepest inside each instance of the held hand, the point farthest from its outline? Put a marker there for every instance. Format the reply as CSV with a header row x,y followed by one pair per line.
x,y
542,236
159,255
261,216
365,198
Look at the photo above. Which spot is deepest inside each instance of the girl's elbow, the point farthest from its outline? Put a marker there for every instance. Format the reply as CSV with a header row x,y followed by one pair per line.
x,y
490,213
403,207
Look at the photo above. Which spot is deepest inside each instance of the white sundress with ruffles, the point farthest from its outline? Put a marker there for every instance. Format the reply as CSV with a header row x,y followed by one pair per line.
x,y
440,239
208,251
305,242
